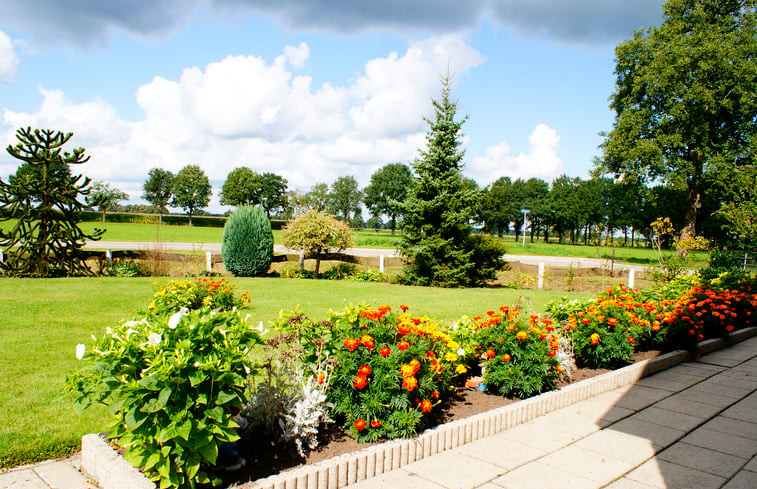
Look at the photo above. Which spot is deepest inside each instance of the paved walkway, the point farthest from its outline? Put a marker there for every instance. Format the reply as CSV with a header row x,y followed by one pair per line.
x,y
693,426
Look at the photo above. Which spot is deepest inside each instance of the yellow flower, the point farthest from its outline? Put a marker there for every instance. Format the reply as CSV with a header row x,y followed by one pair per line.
x,y
453,345
450,357
152,305
461,369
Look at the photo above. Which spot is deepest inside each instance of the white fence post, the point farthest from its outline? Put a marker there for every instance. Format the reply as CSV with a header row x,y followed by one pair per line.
x,y
302,261
540,281
109,255
208,262
631,274
2,257
381,263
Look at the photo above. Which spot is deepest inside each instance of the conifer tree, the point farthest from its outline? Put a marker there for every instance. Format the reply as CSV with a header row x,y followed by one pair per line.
x,y
436,241
42,200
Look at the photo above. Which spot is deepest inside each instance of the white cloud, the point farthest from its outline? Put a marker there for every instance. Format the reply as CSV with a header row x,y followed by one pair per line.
x,y
297,56
242,110
9,63
540,162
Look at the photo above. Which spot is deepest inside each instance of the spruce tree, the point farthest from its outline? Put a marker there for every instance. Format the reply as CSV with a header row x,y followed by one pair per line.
x,y
42,200
247,242
436,226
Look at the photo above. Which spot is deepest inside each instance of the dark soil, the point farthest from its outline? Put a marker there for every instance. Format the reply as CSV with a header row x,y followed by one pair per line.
x,y
265,458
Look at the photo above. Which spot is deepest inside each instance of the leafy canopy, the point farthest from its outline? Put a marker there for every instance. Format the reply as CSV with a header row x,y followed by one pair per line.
x,y
191,190
388,190
315,233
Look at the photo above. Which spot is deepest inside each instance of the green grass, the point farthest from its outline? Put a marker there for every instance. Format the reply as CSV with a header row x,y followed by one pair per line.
x,y
44,319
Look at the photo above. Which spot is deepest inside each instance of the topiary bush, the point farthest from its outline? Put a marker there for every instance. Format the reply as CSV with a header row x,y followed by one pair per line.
x,y
247,242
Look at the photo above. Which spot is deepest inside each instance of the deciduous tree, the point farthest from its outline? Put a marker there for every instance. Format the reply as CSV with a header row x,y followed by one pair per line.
x,y
345,197
191,190
316,233
387,191
104,197
686,99
158,190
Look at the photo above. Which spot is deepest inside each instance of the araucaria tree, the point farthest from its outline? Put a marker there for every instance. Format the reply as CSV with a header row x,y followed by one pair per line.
x,y
191,190
686,100
43,201
436,242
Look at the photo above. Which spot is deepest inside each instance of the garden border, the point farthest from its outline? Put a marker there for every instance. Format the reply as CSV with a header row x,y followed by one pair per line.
x,y
104,465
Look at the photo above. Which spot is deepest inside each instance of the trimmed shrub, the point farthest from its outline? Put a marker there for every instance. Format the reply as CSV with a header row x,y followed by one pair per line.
x,y
247,242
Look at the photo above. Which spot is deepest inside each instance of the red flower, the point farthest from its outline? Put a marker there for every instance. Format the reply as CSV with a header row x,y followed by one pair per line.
x,y
385,351
430,355
426,405
367,341
435,394
551,353
360,382
404,308
410,383
320,377
375,423
506,357
612,321
403,345
364,370
490,313
631,340
490,353
404,328
351,344
586,320
360,424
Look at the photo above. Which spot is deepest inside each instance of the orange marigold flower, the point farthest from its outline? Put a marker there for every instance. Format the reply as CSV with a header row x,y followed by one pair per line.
x,y
461,369
407,370
367,341
415,364
729,328
560,368
490,353
403,345
360,424
385,351
489,313
430,355
360,382
506,357
631,340
551,353
404,307
594,338
586,320
521,335
612,321
364,370
320,378
436,367
375,423
435,394
476,318
410,383
404,328
351,344
426,405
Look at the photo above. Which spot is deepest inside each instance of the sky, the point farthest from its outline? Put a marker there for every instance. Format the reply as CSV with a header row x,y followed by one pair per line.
x,y
312,89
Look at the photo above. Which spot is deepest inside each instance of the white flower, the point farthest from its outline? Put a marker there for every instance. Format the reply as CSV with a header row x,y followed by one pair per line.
x,y
460,351
184,311
80,349
191,326
260,326
130,332
154,339
173,321
130,324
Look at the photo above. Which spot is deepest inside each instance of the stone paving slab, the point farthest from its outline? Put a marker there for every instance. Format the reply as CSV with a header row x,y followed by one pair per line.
x,y
666,475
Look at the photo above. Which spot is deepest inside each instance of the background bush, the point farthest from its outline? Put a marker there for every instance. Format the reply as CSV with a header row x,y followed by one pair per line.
x,y
247,243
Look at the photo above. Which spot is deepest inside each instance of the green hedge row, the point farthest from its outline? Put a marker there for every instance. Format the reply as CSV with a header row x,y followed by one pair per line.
x,y
170,219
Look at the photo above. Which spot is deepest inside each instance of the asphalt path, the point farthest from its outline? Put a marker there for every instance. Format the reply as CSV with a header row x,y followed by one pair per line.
x,y
551,261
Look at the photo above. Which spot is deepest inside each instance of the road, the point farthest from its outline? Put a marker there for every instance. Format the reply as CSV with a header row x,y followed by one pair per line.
x,y
551,261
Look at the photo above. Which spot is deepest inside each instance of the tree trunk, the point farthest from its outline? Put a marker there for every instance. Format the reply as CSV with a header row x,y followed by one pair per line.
x,y
690,218
317,265
190,218
103,215
394,224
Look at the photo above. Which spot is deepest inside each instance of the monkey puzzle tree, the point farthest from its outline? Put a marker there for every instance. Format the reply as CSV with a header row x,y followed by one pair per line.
x,y
42,202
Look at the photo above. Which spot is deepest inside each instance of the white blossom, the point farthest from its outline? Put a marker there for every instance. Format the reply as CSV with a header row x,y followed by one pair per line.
x,y
80,349
154,339
460,351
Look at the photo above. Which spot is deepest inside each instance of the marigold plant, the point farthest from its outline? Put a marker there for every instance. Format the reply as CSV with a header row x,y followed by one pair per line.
x,y
518,356
211,293
391,371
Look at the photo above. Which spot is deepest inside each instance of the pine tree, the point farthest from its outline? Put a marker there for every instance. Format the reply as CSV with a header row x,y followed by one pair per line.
x,y
436,240
247,242
43,201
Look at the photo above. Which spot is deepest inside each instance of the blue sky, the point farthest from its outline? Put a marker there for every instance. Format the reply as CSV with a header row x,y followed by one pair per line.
x,y
312,90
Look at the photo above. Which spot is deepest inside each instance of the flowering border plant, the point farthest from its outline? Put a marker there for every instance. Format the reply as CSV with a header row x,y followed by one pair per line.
x,y
202,292
171,384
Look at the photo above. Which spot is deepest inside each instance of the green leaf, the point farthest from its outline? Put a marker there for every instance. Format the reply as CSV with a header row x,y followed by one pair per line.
x,y
152,461
156,404
224,397
196,377
166,434
185,430
134,419
209,452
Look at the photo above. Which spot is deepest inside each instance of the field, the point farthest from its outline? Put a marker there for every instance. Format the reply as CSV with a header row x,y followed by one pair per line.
x,y
44,319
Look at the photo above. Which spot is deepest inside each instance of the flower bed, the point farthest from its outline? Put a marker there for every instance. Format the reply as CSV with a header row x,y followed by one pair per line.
x,y
175,379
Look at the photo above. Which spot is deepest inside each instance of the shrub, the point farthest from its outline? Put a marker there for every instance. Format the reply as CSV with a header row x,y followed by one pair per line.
x,y
487,252
315,233
390,370
202,292
247,242
171,384
517,357
124,268
607,331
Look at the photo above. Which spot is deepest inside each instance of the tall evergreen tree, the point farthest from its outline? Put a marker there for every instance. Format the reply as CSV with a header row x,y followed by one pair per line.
x,y
43,200
436,226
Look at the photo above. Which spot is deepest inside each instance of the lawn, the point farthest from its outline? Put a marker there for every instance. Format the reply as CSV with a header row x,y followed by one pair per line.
x,y
44,319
